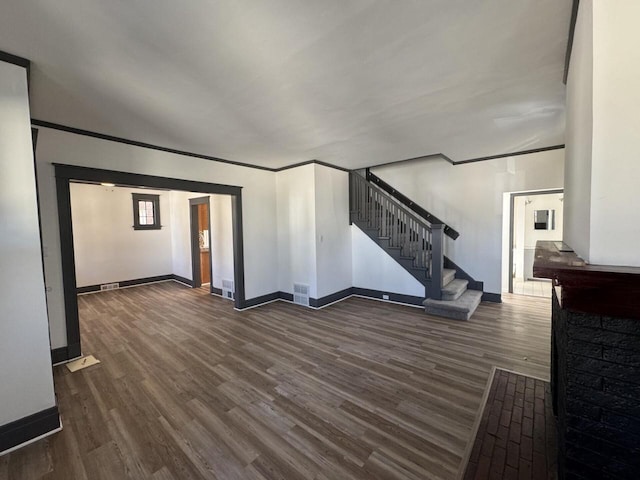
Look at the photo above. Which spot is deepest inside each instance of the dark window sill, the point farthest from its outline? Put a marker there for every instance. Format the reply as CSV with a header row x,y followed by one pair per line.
x,y
147,227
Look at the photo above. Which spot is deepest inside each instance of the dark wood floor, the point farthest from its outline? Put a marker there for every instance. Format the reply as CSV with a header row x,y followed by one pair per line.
x,y
189,388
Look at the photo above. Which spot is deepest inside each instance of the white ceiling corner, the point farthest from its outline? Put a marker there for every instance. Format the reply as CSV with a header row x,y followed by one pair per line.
x,y
275,82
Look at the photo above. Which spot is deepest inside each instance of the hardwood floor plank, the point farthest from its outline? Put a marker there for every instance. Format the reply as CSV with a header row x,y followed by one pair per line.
x,y
189,388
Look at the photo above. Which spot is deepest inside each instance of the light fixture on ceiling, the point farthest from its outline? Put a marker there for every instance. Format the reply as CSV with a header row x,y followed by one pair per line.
x,y
108,184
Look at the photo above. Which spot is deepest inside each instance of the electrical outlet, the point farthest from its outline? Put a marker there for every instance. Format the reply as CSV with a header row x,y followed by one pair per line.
x,y
385,297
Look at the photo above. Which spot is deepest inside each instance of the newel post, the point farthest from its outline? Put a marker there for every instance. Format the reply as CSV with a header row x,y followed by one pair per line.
x,y
437,260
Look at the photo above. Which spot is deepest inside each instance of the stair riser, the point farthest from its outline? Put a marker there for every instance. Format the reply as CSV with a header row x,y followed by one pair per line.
x,y
452,297
455,289
460,310
448,278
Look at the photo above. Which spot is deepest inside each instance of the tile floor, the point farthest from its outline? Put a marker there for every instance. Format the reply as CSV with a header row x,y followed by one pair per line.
x,y
516,438
534,288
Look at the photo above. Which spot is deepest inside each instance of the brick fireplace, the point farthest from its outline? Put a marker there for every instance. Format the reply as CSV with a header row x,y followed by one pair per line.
x,y
595,374
596,394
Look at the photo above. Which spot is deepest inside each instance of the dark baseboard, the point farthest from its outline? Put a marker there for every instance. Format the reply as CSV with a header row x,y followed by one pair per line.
x,y
74,351
180,279
252,302
393,297
334,297
216,290
127,283
286,296
28,428
63,354
491,297
59,355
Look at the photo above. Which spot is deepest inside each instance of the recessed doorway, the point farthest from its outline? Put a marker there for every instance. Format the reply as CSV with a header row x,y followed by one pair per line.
x,y
200,244
532,216
66,174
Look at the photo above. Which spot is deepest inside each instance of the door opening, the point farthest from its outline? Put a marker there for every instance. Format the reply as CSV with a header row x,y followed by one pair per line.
x,y
533,216
200,241
66,174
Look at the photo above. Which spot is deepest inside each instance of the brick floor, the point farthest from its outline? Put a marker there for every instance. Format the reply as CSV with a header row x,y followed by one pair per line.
x,y
517,436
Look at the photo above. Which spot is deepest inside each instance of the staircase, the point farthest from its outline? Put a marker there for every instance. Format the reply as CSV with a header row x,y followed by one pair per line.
x,y
416,243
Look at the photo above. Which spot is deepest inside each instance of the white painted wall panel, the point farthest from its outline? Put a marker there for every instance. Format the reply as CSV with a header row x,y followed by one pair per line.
x,y
107,248
180,234
26,379
579,135
221,240
615,173
333,233
296,229
374,269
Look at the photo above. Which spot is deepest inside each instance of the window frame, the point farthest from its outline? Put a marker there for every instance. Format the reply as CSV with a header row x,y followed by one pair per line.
x,y
146,197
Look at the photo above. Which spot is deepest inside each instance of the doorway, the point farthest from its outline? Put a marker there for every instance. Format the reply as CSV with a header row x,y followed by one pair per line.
x,y
199,209
533,216
65,174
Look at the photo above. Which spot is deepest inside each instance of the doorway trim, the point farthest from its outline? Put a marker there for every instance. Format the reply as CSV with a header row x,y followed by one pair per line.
x,y
512,202
65,174
194,223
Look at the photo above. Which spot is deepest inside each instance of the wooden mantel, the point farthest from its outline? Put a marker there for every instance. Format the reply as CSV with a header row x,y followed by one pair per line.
x,y
599,289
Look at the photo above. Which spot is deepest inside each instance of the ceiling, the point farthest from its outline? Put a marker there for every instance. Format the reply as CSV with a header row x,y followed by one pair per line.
x,y
274,82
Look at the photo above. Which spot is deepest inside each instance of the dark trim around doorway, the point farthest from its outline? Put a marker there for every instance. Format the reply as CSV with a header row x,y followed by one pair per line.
x,y
511,218
65,174
194,223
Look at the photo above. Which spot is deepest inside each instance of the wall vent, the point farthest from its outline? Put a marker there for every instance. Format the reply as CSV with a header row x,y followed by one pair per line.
x,y
301,294
109,286
227,289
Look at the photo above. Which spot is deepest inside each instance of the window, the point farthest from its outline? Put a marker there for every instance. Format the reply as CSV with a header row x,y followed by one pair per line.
x,y
146,211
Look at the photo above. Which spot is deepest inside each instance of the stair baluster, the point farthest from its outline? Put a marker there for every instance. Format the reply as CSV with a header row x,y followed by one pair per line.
x,y
378,210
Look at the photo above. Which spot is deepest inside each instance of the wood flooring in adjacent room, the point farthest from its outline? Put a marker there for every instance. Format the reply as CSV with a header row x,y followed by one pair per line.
x,y
190,388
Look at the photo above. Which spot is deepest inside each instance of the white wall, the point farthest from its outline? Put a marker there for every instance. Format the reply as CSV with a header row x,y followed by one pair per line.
x,y
550,201
26,379
602,221
469,197
578,135
519,215
374,269
615,175
258,202
333,232
296,229
221,236
181,233
106,246
314,236
506,227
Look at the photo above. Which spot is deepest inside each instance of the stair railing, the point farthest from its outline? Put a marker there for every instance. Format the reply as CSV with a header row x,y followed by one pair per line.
x,y
407,202
376,209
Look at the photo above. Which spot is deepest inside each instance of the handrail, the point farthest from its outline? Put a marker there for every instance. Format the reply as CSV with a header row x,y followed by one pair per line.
x,y
376,209
408,203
